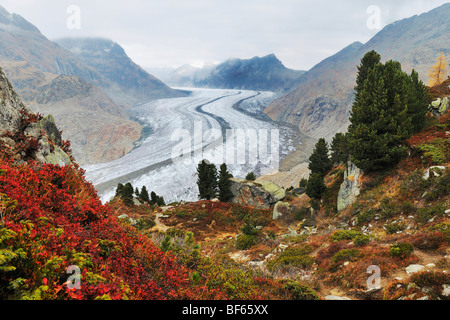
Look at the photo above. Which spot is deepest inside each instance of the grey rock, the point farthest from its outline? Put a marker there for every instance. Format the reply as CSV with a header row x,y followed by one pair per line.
x,y
258,194
413,268
280,209
350,188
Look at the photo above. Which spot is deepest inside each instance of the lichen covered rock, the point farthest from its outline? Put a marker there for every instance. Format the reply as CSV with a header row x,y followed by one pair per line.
x,y
350,188
258,194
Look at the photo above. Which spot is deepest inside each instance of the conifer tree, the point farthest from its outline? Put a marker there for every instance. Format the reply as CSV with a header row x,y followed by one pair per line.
x,y
316,186
438,72
144,194
119,190
225,193
207,180
339,149
384,113
417,102
319,161
127,194
153,198
250,176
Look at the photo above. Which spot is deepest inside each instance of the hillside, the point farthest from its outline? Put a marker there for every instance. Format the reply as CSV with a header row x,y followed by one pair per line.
x,y
52,219
89,98
398,222
259,73
59,242
110,60
321,100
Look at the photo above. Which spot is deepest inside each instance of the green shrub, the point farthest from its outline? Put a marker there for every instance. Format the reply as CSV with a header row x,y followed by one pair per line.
x,y
301,213
388,209
407,207
345,235
249,229
402,250
245,242
423,215
362,240
440,187
437,150
145,223
392,228
365,216
346,255
293,257
300,292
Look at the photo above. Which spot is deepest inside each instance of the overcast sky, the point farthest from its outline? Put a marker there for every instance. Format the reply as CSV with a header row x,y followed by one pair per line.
x,y
160,33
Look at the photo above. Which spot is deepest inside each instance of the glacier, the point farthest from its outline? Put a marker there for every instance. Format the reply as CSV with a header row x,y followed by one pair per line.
x,y
207,124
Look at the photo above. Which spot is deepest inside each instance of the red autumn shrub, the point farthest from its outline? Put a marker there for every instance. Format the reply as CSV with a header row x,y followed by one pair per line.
x,y
54,219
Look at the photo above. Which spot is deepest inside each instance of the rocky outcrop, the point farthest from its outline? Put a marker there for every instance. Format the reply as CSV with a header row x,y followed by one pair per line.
x,y
257,194
22,135
440,106
350,188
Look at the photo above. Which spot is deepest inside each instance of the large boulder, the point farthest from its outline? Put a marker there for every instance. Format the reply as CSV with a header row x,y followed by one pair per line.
x,y
440,106
350,188
257,194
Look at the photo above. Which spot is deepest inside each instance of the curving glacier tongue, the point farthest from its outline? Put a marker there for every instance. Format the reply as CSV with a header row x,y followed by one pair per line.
x,y
183,131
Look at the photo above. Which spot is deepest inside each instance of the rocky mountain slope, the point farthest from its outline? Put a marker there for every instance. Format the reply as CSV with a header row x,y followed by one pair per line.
x,y
110,60
99,129
88,105
321,100
25,136
259,73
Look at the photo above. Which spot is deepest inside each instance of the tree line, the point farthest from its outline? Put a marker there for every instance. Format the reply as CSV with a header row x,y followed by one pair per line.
x,y
389,107
127,193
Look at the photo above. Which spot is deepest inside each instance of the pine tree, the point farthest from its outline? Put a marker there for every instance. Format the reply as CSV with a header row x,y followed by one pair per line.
x,y
316,186
212,182
153,198
438,72
144,194
207,180
319,161
417,102
119,190
380,119
136,192
225,193
250,176
127,194
339,149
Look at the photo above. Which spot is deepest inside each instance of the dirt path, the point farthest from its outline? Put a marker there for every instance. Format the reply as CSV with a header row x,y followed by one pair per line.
x,y
159,225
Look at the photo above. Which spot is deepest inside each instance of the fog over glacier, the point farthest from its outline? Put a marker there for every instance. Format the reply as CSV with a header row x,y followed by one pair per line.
x,y
180,132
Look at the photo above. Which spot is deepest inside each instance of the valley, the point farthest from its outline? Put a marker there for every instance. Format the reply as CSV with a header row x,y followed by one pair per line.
x,y
200,120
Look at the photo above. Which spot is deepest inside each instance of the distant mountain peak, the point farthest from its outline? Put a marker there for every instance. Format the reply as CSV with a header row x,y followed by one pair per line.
x,y
13,20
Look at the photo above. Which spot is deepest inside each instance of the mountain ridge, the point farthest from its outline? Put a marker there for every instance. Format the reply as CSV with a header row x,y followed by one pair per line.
x,y
265,73
320,102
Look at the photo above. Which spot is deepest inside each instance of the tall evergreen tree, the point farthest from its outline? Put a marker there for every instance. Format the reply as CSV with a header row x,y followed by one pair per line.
x,y
225,193
417,102
127,194
144,194
207,180
339,149
316,186
153,198
119,190
380,119
319,161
